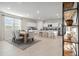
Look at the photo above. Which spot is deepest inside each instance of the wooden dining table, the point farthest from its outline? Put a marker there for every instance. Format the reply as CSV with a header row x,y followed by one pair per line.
x,y
24,34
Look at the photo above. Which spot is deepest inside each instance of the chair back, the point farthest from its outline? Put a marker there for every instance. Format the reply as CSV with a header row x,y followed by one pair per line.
x,y
31,34
17,34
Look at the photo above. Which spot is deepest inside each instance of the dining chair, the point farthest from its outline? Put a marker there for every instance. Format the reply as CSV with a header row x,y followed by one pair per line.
x,y
55,34
17,38
30,36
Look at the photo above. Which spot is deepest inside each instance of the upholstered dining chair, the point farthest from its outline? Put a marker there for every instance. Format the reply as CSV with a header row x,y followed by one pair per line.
x,y
30,36
17,38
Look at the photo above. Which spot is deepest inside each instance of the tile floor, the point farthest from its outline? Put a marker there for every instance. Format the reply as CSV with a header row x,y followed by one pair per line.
x,y
46,47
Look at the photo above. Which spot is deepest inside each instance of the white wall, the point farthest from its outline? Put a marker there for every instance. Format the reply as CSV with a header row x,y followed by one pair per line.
x,y
27,23
57,20
39,25
54,22
2,27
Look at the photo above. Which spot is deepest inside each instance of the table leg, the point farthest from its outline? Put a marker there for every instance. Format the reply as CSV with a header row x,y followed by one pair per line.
x,y
25,38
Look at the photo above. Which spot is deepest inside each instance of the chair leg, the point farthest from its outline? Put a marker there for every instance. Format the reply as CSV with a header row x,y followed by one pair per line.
x,y
13,40
27,41
32,39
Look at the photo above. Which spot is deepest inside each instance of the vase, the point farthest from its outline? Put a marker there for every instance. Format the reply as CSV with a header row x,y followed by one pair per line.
x,y
69,22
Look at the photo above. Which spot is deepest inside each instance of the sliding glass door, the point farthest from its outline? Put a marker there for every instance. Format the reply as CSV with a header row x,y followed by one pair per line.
x,y
11,24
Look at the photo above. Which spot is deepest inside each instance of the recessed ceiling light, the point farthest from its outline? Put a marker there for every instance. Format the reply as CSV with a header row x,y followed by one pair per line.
x,y
8,8
38,17
38,11
57,15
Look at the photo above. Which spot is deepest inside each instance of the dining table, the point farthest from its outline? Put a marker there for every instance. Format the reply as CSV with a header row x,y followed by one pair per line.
x,y
25,35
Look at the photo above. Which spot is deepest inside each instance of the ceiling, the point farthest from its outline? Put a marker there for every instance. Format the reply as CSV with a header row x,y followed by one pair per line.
x,y
34,10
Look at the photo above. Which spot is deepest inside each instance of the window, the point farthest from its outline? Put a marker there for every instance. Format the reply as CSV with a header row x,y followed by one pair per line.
x,y
9,21
13,23
17,24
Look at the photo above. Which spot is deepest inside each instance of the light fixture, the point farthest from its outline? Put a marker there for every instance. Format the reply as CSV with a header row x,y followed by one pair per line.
x,y
8,8
38,11
57,15
38,17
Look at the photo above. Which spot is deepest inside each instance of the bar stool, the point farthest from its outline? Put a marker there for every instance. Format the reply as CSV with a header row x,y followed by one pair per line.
x,y
55,34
